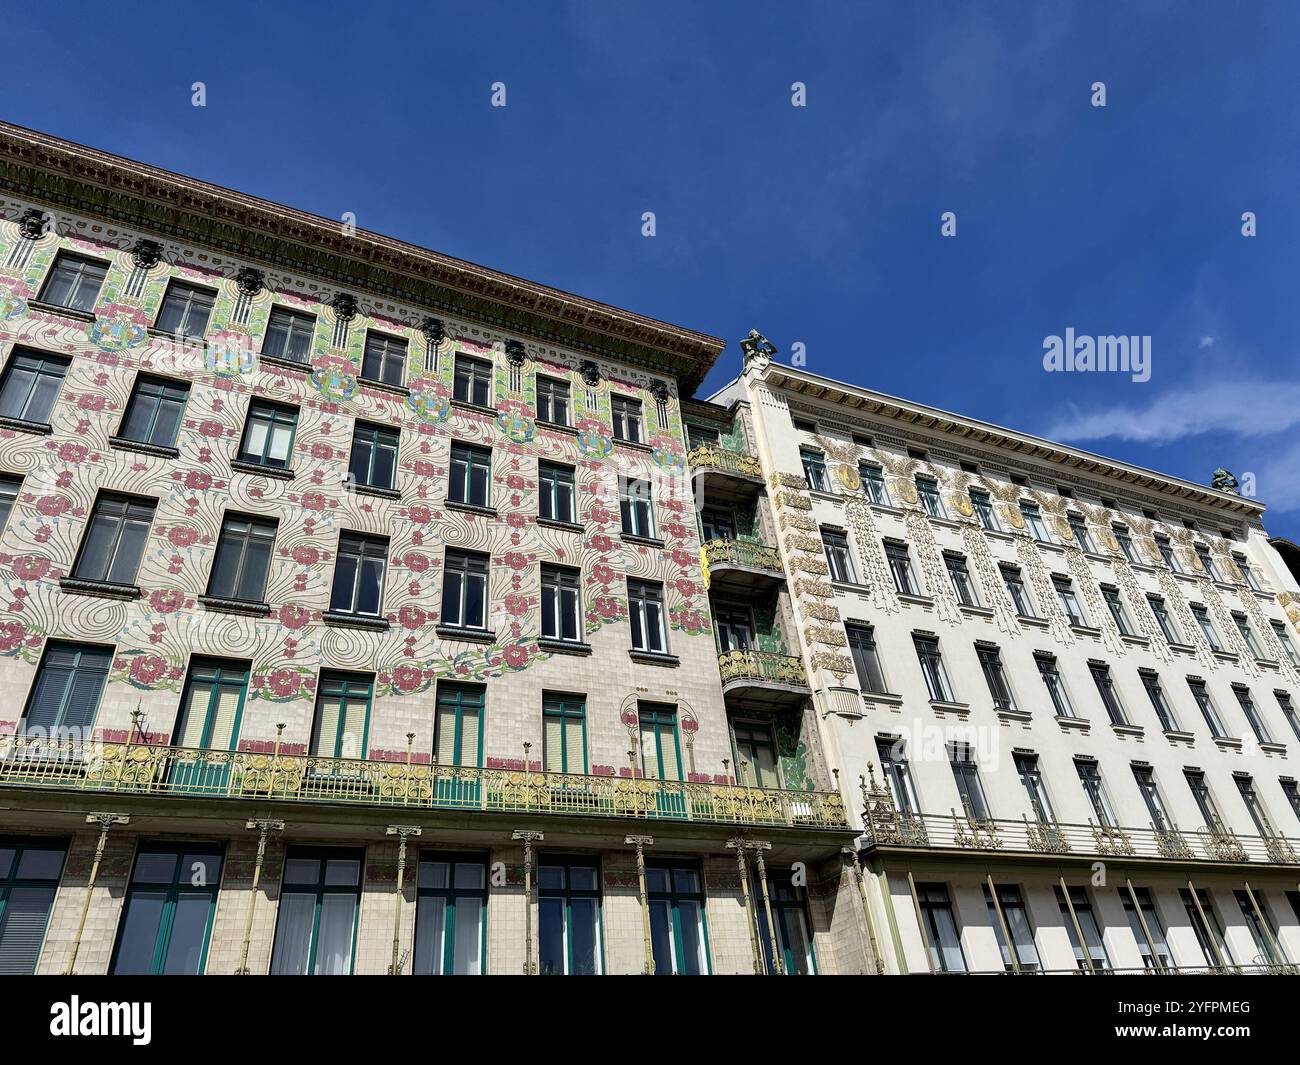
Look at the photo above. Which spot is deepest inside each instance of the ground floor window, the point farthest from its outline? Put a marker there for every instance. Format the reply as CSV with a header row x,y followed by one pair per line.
x,y
1081,906
29,876
942,937
167,917
450,915
789,904
678,931
320,897
568,908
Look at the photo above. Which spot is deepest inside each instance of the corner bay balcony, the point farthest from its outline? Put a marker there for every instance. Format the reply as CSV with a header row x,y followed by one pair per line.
x,y
763,677
721,474
148,770
737,567
886,828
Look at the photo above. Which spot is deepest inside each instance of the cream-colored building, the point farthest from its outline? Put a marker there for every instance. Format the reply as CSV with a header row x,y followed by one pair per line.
x,y
1062,690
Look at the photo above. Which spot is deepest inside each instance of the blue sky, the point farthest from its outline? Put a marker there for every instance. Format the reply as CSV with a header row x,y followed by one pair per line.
x,y
818,225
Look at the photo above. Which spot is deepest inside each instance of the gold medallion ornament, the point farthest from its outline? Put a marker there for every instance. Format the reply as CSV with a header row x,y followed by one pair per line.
x,y
848,476
962,505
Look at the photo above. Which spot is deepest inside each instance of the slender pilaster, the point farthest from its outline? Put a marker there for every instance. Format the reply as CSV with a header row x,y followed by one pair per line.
x,y
758,847
875,959
528,838
105,822
641,842
264,828
401,832
738,844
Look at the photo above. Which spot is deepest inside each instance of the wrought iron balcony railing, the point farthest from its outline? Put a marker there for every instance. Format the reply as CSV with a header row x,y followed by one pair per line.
x,y
1251,969
147,769
707,457
741,553
762,666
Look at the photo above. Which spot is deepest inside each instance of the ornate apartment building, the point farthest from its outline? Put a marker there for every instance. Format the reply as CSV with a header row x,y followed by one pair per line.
x,y
1070,686
365,610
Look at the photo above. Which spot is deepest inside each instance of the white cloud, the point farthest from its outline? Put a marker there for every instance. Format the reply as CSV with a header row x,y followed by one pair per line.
x,y
1207,341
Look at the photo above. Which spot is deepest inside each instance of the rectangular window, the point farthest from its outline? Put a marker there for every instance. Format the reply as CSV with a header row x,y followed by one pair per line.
x,y
211,709
900,567
1034,522
472,381
1161,614
153,414
465,590
1031,779
243,556
897,774
1247,636
115,540
873,479
1016,589
1291,792
167,915
552,401
1145,778
1156,693
1079,908
561,604
836,546
1262,929
1253,716
983,507
359,575
69,683
384,359
646,615
1279,630
1125,541
1106,689
717,524
962,585
789,904
450,915
74,283
1079,527
927,488
1247,571
471,475
675,896
1254,805
374,455
1016,915
936,678
268,435
1047,669
814,469
991,664
1203,700
9,488
1068,600
627,419
289,335
1205,923
702,436
1167,552
966,775
1154,951
568,916
1288,711
866,661
458,729
636,508
942,936
564,733
1090,778
1204,799
320,898
1202,617
185,310
1207,562
1116,607
734,626
755,753
555,492
661,757
30,385
30,868
341,723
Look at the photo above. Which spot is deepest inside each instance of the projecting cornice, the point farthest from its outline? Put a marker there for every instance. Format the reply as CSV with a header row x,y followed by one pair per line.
x,y
57,173
969,430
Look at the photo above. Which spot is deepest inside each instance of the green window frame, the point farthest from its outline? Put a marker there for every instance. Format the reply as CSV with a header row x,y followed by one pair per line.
x,y
661,753
458,728
313,903
814,469
341,720
570,937
171,900
31,383
270,421
754,743
451,901
373,461
212,704
679,927
794,938
555,500
69,684
30,870
153,415
564,733
289,335
873,479
73,282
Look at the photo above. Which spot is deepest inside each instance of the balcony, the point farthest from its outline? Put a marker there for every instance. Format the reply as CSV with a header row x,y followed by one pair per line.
x,y
181,772
724,475
764,677
736,567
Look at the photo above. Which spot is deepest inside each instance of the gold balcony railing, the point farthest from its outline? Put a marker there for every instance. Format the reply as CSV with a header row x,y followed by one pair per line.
x,y
1252,969
147,769
707,457
741,553
762,666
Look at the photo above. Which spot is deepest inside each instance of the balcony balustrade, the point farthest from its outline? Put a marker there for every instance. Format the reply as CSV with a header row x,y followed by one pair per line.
x,y
149,769
737,567
763,677
710,458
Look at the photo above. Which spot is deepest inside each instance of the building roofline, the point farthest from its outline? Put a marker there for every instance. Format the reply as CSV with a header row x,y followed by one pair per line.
x,y
976,430
51,171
